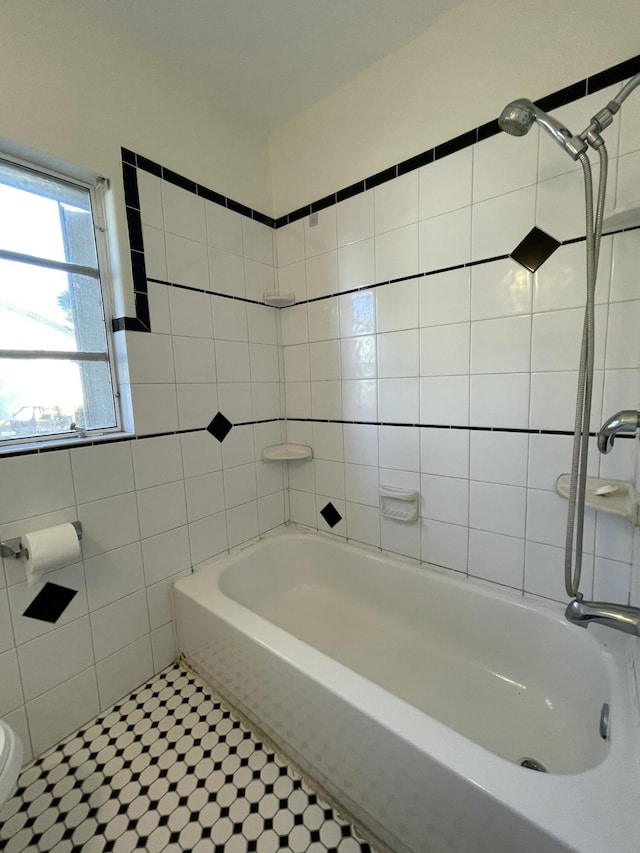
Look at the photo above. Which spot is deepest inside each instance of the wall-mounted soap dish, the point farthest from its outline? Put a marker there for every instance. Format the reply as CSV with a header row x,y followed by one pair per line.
x,y
399,504
616,497
286,452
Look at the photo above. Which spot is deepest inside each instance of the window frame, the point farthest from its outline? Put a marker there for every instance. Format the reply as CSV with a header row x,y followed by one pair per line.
x,y
97,187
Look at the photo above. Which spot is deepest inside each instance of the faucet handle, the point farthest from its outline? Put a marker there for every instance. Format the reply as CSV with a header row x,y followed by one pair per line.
x,y
627,421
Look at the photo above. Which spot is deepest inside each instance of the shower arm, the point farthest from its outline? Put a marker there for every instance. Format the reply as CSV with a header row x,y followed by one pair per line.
x,y
604,117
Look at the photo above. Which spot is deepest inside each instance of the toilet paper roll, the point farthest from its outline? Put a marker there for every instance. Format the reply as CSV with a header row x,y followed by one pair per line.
x,y
50,549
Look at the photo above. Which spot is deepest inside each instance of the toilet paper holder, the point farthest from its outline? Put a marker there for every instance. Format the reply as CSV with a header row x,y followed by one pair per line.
x,y
13,547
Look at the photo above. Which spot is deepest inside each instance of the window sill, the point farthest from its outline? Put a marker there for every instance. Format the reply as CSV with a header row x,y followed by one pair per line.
x,y
31,447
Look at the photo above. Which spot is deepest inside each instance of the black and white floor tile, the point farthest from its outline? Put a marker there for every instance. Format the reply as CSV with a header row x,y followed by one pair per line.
x,y
169,769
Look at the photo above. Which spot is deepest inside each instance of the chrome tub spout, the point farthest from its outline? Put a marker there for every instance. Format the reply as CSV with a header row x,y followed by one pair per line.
x,y
617,616
626,421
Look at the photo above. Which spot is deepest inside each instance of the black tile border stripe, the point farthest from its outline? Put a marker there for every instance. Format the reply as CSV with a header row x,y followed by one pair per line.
x,y
132,161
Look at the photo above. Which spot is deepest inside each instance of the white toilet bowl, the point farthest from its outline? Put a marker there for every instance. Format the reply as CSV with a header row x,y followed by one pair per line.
x,y
10,761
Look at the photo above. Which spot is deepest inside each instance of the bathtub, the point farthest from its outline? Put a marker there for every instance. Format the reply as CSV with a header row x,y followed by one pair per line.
x,y
412,696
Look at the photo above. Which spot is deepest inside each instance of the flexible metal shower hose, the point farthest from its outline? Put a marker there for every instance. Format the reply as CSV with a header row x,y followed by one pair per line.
x,y
578,482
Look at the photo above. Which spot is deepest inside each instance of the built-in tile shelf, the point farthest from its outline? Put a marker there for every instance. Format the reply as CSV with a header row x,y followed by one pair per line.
x,y
286,453
622,217
279,300
617,497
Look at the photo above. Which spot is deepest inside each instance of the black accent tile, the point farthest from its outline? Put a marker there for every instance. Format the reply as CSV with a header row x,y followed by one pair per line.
x,y
211,195
415,162
350,191
142,309
179,180
535,249
616,74
135,229
300,213
562,97
128,324
50,603
281,221
322,203
130,180
330,514
149,166
381,177
139,271
128,156
456,144
239,208
485,131
220,427
264,219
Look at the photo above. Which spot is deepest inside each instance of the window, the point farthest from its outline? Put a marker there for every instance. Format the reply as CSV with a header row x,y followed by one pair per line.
x,y
55,368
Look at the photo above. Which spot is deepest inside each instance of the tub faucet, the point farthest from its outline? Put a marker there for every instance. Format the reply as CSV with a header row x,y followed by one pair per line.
x,y
627,421
617,616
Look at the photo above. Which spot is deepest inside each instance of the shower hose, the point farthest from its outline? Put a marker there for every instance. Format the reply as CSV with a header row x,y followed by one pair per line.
x,y
578,482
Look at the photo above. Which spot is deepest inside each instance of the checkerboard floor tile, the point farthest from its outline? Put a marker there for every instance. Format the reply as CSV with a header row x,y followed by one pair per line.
x,y
169,769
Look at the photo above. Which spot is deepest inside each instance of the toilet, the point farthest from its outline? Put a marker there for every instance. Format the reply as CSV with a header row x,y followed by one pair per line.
x,y
10,761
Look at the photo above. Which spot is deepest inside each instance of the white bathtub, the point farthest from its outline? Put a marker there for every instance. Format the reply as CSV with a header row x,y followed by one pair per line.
x,y
412,696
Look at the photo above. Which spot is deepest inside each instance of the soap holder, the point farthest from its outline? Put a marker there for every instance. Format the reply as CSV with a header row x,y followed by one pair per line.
x,y
286,453
399,504
617,497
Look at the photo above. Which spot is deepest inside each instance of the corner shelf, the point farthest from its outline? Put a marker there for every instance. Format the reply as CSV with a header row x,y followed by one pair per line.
x,y
622,217
622,502
286,453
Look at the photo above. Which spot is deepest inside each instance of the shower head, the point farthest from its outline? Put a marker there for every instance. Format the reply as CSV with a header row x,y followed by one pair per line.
x,y
518,117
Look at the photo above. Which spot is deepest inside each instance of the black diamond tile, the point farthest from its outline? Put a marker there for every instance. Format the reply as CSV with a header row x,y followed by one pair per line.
x,y
220,427
536,248
330,514
50,603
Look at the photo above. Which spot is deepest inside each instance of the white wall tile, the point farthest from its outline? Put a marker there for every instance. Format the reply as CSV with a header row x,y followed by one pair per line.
x,y
198,403
399,354
157,460
444,452
444,298
560,207
239,485
6,628
360,400
159,308
190,313
327,442
205,495
355,218
232,361
242,523
614,538
102,471
444,499
496,558
194,359
547,520
294,323
329,478
238,447
155,255
363,524
34,485
108,524
444,350
183,212
155,408
502,164
150,194
296,363
271,512
258,240
557,338
52,659
549,456
444,544
497,508
150,357
499,224
500,400
163,647
561,281
399,400
400,538
356,265
11,696
444,400
359,357
321,237
397,306
303,508
446,184
62,710
544,572
357,315
397,253
445,240
396,202
499,457
208,537
292,279
399,447
264,362
234,400
201,453
130,614
611,581
165,555
623,346
259,279
324,358
501,346
161,508
187,262
553,400
290,243
113,575
361,444
224,228
361,484
500,289
123,671
326,400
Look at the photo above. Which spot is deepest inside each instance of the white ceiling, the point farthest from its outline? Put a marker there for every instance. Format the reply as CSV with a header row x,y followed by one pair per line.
x,y
265,61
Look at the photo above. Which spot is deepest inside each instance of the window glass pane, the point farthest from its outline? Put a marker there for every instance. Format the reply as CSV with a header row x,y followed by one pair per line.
x,y
44,309
45,396
45,217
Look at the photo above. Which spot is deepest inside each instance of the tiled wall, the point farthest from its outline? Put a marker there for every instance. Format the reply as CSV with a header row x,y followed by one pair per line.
x,y
457,378
153,507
